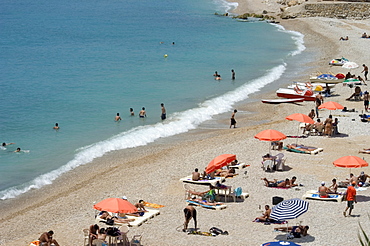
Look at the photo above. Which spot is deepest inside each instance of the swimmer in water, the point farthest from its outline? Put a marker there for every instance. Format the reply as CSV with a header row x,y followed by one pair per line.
x,y
18,150
5,144
118,118
132,112
142,113
56,127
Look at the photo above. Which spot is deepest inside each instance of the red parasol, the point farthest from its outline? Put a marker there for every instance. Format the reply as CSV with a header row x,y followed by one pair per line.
x,y
220,161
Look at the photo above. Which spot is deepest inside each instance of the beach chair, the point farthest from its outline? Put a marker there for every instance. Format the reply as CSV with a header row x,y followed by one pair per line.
x,y
136,240
267,165
280,164
238,193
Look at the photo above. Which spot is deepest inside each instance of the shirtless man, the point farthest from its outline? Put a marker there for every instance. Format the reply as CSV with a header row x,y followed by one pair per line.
x,y
46,239
190,212
363,177
365,71
333,187
312,114
56,127
232,119
118,118
323,190
351,179
275,183
195,175
93,233
292,184
105,216
142,113
163,115
266,215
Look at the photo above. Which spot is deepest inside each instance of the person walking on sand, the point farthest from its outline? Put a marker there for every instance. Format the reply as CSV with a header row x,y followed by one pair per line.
x,y
232,119
163,115
232,74
366,101
365,71
318,101
351,198
190,212
118,118
142,113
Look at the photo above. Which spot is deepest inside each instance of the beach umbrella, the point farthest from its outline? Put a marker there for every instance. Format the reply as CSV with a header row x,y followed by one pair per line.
x,y
301,118
115,205
350,162
350,65
220,161
280,243
326,76
289,209
331,106
270,135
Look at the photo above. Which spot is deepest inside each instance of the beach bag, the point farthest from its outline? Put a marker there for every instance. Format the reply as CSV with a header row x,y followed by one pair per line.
x,y
113,231
216,231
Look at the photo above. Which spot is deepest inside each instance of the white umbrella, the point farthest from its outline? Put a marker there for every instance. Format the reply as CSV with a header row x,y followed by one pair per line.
x,y
289,209
350,65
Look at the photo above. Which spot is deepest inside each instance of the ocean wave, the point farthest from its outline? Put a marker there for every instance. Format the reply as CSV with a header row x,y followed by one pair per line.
x,y
297,37
177,123
225,6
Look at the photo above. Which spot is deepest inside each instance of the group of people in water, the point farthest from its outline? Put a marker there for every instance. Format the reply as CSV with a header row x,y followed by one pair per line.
x,y
218,76
142,113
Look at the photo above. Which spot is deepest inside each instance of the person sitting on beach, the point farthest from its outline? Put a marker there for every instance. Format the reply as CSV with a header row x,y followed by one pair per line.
x,y
267,157
265,216
195,175
365,151
208,176
344,39
333,187
356,93
361,80
102,234
327,91
276,183
140,206
348,75
312,114
347,182
335,126
105,216
296,231
364,35
93,233
362,178
323,190
46,239
328,130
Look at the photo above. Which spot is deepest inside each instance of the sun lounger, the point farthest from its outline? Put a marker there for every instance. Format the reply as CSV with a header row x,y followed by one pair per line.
x,y
216,207
239,165
142,219
313,194
188,179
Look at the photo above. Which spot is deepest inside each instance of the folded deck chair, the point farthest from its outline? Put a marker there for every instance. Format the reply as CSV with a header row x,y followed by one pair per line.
x,y
312,194
216,207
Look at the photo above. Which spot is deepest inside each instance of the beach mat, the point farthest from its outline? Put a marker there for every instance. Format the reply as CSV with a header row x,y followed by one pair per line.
x,y
152,205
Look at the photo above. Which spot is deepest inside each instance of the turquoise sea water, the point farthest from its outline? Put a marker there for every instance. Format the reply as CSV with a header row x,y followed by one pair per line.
x,y
80,63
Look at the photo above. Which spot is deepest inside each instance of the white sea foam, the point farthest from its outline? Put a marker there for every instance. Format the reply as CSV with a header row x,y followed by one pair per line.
x,y
177,123
225,6
297,37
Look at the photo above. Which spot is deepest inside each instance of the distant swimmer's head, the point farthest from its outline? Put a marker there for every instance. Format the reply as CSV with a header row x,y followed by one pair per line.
x,y
3,144
143,108
162,104
131,109
117,114
56,124
235,110
18,150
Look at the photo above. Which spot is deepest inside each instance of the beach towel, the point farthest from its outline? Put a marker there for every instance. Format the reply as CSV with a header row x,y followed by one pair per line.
x,y
271,221
284,188
202,233
152,205
303,136
217,207
35,243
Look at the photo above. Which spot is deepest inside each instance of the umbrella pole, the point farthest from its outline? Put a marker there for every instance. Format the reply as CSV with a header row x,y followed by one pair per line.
x,y
296,142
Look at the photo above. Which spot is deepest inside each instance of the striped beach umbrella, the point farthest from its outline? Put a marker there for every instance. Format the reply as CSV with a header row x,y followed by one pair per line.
x,y
289,209
280,243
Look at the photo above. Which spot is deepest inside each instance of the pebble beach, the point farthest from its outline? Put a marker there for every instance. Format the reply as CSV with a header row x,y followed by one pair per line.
x,y
152,172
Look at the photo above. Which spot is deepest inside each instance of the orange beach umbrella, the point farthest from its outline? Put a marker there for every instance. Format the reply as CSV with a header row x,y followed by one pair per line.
x,y
115,205
331,105
301,118
350,162
220,161
270,135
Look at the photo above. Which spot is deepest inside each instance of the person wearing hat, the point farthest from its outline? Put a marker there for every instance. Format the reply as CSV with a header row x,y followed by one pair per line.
x,y
351,198
323,190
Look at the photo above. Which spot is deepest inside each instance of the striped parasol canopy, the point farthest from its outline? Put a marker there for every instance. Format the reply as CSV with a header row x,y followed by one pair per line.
x,y
289,209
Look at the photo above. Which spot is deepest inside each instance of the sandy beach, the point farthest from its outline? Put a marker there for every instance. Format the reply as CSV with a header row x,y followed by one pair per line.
x,y
152,172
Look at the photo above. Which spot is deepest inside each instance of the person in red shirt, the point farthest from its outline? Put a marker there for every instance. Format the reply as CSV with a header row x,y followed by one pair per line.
x,y
351,198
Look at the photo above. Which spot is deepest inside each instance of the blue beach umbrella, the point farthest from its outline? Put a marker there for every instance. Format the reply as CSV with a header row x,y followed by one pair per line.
x,y
326,76
280,243
289,209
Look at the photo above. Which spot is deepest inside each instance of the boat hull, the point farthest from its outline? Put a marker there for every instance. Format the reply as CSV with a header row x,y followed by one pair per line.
x,y
289,93
329,81
277,101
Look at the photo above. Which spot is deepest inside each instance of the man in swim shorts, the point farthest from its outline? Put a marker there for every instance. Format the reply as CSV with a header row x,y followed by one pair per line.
x,y
232,119
190,212
323,190
142,113
163,115
46,239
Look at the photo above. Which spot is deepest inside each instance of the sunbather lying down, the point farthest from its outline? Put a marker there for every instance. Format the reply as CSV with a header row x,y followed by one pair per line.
x,y
280,184
365,151
296,231
105,215
205,202
301,147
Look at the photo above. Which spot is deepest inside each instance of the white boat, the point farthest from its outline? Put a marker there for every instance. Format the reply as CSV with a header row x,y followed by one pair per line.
x,y
308,85
338,61
286,100
307,95
315,79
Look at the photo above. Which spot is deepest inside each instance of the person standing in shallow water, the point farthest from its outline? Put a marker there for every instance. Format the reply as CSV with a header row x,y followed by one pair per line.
x,y
56,127
163,115
232,119
232,74
118,118
142,113
132,113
